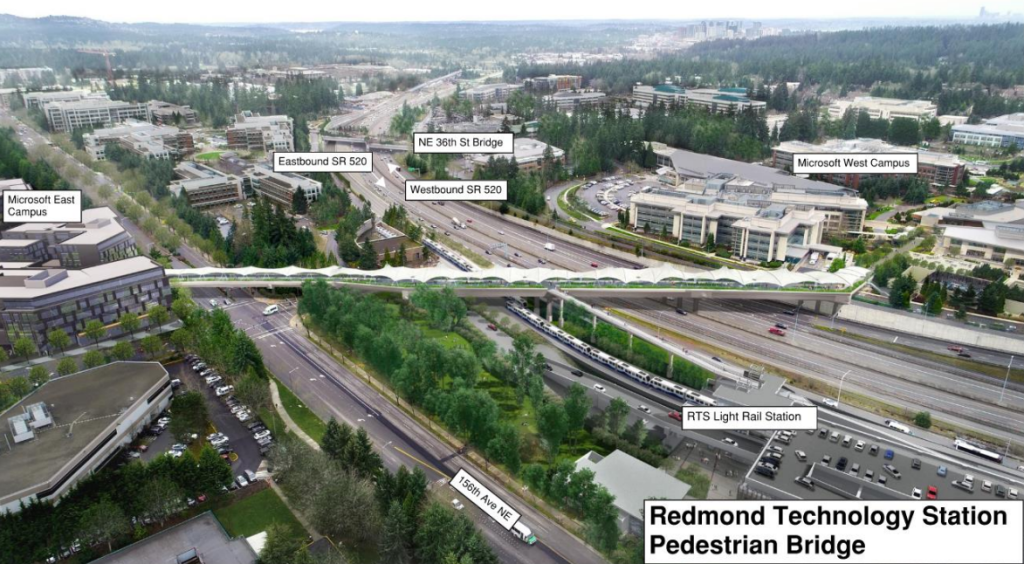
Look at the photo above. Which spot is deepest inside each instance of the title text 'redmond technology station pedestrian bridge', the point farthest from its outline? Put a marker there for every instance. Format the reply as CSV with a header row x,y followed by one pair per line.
x,y
663,281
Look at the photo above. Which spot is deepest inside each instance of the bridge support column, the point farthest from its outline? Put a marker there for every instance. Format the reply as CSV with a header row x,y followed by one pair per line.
x,y
561,313
536,306
549,311
593,326
679,303
630,342
671,360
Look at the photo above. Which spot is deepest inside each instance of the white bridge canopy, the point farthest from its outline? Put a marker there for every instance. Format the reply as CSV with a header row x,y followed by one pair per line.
x,y
662,275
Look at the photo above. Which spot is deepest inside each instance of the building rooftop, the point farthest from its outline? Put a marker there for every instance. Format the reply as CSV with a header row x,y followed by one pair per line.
x,y
85,407
631,480
1006,236
28,283
203,534
1010,124
14,184
525,150
98,225
88,104
865,145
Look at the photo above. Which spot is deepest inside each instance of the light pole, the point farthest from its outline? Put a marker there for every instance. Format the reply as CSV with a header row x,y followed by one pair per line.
x,y
1007,379
838,395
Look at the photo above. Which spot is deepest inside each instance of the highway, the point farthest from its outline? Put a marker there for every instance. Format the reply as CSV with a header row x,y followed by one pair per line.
x,y
783,352
484,232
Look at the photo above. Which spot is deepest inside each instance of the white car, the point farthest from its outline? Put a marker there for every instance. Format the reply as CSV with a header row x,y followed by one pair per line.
x,y
224,390
829,402
729,441
644,408
261,434
458,505
242,482
599,388
916,493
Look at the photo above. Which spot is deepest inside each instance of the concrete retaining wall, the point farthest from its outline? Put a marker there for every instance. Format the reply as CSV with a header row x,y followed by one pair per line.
x,y
917,325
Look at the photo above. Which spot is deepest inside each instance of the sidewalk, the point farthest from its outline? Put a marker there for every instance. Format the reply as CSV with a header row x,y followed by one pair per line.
x,y
288,422
81,350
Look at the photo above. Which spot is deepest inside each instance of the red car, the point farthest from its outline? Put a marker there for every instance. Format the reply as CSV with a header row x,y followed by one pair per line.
x,y
955,348
675,415
593,265
776,331
932,493
492,327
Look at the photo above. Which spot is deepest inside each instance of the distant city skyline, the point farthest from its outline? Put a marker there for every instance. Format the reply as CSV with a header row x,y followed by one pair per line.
x,y
192,11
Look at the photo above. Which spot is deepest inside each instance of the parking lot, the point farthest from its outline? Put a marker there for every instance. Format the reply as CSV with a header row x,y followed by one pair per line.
x,y
862,475
610,195
246,453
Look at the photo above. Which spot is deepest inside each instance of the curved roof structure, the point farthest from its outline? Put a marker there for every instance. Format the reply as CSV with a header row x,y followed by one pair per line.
x,y
662,275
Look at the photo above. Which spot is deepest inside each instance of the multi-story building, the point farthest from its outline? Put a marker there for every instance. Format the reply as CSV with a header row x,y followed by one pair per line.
x,y
568,100
998,132
715,100
98,239
203,186
554,82
939,169
26,75
490,92
282,186
165,113
65,117
14,184
42,460
884,108
142,138
1003,243
36,100
6,96
254,132
35,300
529,154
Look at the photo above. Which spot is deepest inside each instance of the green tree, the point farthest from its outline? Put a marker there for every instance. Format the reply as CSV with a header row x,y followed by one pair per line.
x,y
553,425
837,265
152,345
367,257
58,339
19,386
103,522
158,316
396,535
336,439
617,414
577,405
280,547
95,330
923,419
299,204
526,365
213,471
961,312
190,415
122,350
129,322
38,375
67,366
93,358
24,347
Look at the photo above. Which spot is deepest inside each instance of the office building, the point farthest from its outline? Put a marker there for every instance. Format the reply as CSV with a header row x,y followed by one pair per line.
x,y
715,100
6,96
939,169
165,113
200,540
98,239
253,132
1003,243
884,108
568,100
490,92
36,100
998,132
35,300
70,427
282,186
631,481
554,82
203,186
66,116
14,184
529,154
142,138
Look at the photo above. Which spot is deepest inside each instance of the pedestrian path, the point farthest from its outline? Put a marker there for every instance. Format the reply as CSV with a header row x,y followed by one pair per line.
x,y
275,395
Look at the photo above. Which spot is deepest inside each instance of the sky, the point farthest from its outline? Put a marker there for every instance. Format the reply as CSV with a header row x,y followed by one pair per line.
x,y
263,11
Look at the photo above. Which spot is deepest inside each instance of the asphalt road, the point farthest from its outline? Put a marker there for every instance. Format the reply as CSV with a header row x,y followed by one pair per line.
x,y
330,390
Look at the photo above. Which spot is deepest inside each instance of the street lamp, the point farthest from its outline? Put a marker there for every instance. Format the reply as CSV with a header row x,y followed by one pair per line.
x,y
1007,379
838,395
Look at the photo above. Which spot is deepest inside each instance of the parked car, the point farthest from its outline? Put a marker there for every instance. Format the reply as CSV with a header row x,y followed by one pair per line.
x,y
892,470
915,493
933,493
941,471
841,465
873,451
241,481
261,434
800,455
915,464
805,482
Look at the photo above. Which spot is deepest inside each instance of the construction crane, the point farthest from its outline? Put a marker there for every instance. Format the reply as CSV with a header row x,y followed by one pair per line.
x,y
106,56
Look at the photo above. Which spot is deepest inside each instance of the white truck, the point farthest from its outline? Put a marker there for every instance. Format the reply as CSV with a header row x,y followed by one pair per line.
x,y
549,246
456,223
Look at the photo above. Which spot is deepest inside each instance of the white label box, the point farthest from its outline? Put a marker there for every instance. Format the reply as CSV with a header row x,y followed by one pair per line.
x,y
483,498
806,531
456,190
473,143
42,206
323,162
697,418
855,163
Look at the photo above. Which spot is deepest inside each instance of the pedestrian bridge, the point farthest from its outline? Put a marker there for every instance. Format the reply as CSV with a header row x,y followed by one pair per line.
x,y
663,281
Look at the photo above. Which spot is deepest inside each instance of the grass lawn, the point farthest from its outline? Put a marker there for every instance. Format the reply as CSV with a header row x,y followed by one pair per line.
x,y
301,414
273,421
210,156
699,482
255,513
